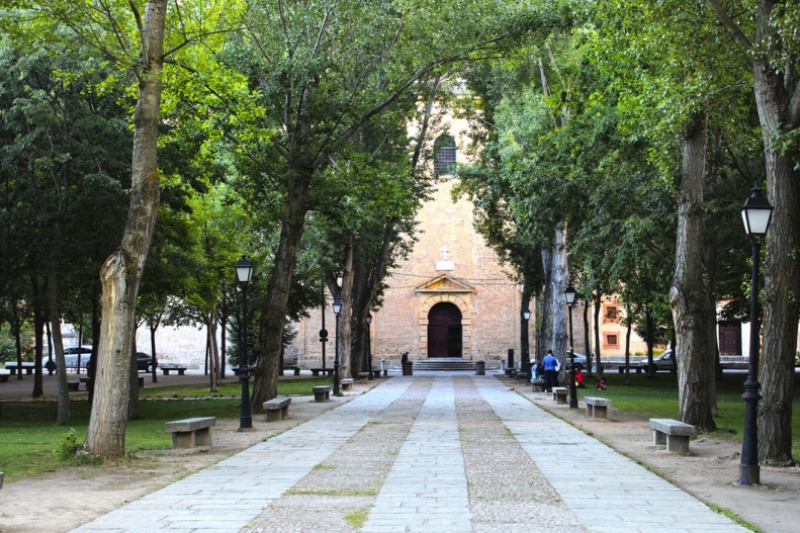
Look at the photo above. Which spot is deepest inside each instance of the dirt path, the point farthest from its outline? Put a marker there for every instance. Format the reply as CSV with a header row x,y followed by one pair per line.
x,y
61,501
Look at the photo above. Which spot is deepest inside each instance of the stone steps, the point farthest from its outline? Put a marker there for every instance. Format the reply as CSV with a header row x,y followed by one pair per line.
x,y
448,364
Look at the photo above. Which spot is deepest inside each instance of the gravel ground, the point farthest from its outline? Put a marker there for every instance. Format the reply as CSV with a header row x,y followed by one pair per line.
x,y
506,491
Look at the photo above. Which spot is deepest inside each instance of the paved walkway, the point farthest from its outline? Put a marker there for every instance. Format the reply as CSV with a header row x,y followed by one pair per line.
x,y
442,452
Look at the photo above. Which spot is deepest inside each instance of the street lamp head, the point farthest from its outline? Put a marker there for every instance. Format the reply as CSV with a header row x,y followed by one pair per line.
x,y
569,295
756,214
337,306
369,318
526,314
244,270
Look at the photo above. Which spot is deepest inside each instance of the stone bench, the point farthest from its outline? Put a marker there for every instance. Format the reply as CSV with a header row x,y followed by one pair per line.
x,y
27,367
537,385
638,369
597,407
322,393
4,377
191,432
560,394
327,371
673,433
73,386
363,375
167,369
347,384
277,408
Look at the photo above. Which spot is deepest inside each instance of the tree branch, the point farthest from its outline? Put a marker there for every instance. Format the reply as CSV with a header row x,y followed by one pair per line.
x,y
732,26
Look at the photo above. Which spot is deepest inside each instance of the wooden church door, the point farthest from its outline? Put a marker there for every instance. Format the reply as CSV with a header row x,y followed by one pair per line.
x,y
444,331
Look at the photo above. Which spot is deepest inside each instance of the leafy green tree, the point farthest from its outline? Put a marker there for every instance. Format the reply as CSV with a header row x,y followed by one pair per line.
x,y
319,74
765,33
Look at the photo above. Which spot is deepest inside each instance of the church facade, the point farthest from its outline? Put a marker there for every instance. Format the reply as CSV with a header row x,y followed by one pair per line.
x,y
450,298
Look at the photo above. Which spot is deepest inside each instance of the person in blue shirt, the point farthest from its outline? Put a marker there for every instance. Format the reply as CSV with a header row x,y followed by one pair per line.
x,y
550,364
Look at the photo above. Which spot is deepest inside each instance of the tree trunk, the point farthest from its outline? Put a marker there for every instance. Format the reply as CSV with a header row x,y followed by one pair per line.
x,y
559,284
223,349
688,297
95,341
273,315
153,329
345,318
213,352
546,321
524,328
778,114
709,260
650,328
17,338
122,272
133,380
598,303
55,324
628,347
587,336
39,320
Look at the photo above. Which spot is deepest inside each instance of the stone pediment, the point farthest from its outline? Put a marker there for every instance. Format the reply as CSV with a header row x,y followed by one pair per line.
x,y
445,283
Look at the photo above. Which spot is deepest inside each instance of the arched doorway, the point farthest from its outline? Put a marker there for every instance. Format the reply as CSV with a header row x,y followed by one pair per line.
x,y
444,331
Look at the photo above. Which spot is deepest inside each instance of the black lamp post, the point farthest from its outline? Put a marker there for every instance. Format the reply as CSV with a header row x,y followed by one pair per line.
x,y
337,308
526,354
569,297
244,271
369,347
756,214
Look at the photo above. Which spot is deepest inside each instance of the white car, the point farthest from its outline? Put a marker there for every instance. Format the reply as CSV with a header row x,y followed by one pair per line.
x,y
663,362
71,356
580,361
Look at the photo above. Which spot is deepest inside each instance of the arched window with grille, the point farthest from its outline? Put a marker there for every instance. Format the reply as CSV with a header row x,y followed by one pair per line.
x,y
444,151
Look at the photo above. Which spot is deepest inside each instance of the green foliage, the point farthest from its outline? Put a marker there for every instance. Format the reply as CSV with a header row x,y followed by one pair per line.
x,y
68,445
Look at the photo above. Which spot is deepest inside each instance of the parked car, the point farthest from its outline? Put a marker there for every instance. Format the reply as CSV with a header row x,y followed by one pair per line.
x,y
662,362
144,362
580,361
71,356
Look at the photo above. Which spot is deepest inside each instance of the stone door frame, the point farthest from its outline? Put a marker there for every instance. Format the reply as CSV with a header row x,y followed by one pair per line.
x,y
428,301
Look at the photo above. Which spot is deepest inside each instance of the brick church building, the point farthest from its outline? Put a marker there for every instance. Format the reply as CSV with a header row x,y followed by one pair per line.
x,y
450,298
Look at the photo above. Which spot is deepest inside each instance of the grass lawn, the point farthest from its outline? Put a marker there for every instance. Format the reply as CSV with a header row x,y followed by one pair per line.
x,y
232,387
29,435
658,398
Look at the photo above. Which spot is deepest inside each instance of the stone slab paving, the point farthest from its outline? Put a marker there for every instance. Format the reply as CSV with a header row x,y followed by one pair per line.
x,y
445,453
607,491
426,490
339,491
226,497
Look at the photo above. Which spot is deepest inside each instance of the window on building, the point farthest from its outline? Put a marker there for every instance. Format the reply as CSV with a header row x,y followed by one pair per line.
x,y
444,151
611,340
611,314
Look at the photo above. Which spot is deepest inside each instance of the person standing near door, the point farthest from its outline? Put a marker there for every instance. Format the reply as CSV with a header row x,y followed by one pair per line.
x,y
550,364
